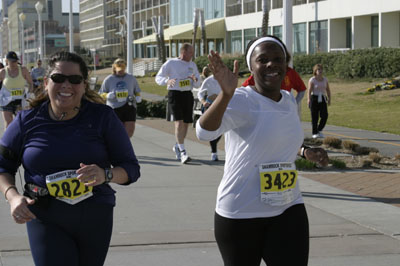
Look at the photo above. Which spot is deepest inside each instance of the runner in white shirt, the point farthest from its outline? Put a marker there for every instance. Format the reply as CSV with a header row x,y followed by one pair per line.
x,y
260,214
180,75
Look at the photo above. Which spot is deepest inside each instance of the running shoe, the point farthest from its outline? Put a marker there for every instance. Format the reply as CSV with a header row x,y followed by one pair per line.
x,y
214,157
315,136
321,135
176,150
184,157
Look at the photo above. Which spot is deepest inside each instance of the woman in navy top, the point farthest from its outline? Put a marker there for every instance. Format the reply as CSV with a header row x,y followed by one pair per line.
x,y
71,146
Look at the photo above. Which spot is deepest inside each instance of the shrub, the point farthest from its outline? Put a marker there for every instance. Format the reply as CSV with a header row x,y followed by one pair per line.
x,y
303,164
350,145
366,163
397,156
358,63
362,150
375,157
338,164
333,142
152,108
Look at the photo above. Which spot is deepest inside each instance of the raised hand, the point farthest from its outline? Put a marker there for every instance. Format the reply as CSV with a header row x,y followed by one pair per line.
x,y
227,79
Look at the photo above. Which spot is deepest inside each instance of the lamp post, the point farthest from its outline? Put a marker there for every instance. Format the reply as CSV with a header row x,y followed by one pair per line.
x,y
39,9
71,28
22,18
9,35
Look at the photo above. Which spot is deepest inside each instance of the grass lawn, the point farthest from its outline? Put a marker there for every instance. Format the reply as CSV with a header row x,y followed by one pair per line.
x,y
351,106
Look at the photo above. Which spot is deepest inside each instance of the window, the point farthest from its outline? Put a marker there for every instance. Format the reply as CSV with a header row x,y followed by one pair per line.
x,y
277,4
374,31
233,7
236,41
278,31
249,6
260,3
299,38
318,37
259,31
249,34
349,38
299,2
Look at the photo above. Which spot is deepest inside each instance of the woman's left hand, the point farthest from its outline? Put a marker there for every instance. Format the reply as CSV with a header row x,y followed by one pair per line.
x,y
91,175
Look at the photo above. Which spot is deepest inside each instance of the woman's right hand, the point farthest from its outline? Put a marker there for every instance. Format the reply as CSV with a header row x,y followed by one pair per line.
x,y
19,209
227,79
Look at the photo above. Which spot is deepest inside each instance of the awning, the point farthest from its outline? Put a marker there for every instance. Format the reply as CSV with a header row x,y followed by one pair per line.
x,y
215,29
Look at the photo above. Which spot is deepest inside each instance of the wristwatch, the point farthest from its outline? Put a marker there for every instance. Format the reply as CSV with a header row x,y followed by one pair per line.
x,y
108,175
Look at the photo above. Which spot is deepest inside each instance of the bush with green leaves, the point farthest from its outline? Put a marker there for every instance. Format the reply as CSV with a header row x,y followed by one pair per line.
x,y
152,108
359,63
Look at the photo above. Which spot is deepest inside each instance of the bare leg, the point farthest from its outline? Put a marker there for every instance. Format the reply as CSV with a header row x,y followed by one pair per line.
x,y
8,118
181,129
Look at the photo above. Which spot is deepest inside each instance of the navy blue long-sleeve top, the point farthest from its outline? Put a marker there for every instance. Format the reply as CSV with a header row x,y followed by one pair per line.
x,y
94,136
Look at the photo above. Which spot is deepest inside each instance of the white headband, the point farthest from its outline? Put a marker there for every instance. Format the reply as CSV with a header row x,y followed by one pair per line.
x,y
254,45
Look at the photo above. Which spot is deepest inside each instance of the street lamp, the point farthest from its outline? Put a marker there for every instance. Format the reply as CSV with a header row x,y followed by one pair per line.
x,y
39,9
22,18
9,35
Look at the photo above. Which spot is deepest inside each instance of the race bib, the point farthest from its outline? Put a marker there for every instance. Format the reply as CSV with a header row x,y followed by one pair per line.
x,y
17,94
66,187
277,183
184,83
121,95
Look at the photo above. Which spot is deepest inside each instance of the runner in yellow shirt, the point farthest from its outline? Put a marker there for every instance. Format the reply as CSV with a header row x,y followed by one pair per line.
x,y
14,78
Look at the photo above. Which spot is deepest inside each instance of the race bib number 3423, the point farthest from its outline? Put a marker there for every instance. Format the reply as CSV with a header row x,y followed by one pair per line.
x,y
277,183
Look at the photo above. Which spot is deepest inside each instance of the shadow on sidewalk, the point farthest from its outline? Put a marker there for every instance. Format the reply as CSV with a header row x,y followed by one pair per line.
x,y
336,196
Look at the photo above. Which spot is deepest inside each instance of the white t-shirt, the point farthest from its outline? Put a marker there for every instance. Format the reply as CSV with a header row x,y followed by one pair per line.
x,y
210,86
257,130
181,71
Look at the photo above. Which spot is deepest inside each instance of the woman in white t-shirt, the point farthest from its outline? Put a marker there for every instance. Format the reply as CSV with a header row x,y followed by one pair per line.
x,y
319,97
260,214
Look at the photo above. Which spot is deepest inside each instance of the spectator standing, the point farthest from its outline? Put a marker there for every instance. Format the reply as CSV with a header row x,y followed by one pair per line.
x,y
319,97
122,92
181,76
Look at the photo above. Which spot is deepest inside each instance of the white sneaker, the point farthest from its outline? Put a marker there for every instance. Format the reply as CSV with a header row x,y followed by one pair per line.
x,y
315,136
321,135
184,157
176,150
214,157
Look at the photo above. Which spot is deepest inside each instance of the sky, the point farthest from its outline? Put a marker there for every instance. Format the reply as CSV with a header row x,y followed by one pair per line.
x,y
65,6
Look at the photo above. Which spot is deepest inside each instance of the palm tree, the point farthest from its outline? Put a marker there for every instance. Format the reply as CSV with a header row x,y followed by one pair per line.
x,y
265,10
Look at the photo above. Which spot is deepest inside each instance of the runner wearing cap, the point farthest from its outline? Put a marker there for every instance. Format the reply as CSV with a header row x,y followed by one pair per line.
x,y
122,92
14,78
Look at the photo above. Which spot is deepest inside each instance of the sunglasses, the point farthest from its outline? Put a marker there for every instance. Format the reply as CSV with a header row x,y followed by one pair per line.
x,y
60,78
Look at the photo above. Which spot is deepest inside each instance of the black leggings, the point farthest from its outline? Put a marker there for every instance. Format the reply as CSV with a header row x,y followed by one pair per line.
x,y
279,241
318,110
70,235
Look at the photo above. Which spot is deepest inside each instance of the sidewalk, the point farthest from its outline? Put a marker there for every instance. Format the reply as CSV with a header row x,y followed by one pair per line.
x,y
166,218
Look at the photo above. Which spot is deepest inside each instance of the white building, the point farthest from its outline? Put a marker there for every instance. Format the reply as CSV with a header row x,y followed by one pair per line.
x,y
318,25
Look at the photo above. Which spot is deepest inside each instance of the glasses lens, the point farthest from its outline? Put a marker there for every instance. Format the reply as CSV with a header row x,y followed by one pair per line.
x,y
60,78
75,79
